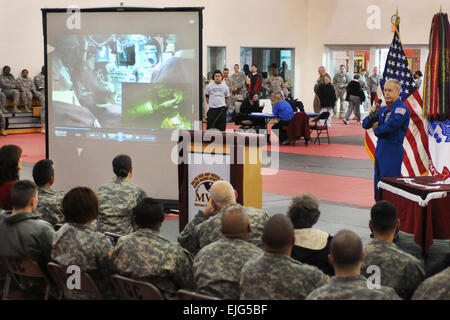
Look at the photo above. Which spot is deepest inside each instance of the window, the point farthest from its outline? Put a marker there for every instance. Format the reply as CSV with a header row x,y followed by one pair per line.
x,y
264,58
217,60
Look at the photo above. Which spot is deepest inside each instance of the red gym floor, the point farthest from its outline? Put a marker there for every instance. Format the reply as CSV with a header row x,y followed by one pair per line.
x,y
344,189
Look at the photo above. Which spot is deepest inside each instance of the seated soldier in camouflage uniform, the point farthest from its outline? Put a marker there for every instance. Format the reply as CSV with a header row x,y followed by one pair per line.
x,y
49,206
217,267
436,287
205,228
39,82
77,242
348,284
2,117
275,275
118,198
146,255
28,91
399,270
9,89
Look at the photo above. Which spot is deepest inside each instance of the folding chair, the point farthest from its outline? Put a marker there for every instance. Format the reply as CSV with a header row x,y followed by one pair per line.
x,y
88,289
315,126
184,294
130,289
23,267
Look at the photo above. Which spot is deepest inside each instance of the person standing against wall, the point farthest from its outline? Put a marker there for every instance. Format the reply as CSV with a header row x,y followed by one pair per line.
x,y
322,74
327,98
254,80
274,84
340,82
230,105
372,84
217,96
418,78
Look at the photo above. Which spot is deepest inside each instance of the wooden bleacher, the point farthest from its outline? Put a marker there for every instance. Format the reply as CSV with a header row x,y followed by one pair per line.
x,y
25,122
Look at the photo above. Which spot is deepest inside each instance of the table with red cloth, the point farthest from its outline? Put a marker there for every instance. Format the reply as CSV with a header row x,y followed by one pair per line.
x,y
423,205
299,129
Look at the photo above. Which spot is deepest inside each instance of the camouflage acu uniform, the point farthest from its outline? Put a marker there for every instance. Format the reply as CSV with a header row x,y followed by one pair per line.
x,y
80,245
117,199
2,99
399,270
278,277
227,81
8,86
340,82
363,83
28,92
273,85
39,82
436,287
217,267
238,82
2,104
373,82
351,288
49,206
147,256
202,230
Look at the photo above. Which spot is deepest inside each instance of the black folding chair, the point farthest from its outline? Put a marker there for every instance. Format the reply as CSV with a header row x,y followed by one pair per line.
x,y
315,126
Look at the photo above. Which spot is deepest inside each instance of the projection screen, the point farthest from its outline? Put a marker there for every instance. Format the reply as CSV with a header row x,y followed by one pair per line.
x,y
120,81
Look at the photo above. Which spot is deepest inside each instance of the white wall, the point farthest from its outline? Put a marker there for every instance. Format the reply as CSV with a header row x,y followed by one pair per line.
x,y
306,25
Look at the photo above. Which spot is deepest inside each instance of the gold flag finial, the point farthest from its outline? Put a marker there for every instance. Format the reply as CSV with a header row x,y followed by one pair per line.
x,y
395,19
440,9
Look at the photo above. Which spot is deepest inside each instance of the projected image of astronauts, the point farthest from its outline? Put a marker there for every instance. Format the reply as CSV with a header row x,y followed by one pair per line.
x,y
120,81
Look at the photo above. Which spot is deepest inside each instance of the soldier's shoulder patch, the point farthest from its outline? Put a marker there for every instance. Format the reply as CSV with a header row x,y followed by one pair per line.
x,y
401,111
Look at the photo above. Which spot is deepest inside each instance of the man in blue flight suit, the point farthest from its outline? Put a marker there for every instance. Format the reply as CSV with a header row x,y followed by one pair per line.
x,y
389,124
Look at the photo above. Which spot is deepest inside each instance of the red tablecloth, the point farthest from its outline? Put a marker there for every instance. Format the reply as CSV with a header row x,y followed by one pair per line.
x,y
423,205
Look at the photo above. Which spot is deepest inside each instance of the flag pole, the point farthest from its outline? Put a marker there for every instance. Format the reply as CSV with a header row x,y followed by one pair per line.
x,y
396,23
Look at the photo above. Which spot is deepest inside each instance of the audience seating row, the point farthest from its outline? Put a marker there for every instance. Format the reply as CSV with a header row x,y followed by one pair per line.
x,y
21,270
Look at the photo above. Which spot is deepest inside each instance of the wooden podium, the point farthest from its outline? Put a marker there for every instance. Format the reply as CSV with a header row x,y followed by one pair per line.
x,y
209,156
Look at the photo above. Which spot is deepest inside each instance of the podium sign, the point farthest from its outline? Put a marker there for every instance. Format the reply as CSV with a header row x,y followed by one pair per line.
x,y
201,178
205,157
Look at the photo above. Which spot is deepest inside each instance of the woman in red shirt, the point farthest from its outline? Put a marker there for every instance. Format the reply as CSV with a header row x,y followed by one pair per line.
x,y
10,166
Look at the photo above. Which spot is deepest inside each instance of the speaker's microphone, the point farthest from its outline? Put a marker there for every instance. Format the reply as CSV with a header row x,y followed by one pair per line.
x,y
377,105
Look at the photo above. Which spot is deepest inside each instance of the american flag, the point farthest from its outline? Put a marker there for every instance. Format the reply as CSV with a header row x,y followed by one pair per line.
x,y
415,145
